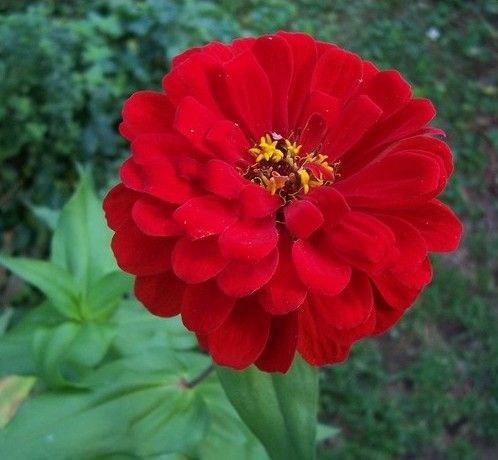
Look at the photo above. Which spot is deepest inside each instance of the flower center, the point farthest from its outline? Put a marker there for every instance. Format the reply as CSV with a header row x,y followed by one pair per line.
x,y
280,167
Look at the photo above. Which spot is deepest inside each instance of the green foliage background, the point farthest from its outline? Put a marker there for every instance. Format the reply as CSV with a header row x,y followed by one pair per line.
x,y
427,389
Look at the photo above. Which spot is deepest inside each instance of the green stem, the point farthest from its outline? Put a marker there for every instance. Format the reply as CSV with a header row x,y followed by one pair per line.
x,y
199,378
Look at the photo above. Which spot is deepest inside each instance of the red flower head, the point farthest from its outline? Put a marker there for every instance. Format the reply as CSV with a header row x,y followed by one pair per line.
x,y
280,196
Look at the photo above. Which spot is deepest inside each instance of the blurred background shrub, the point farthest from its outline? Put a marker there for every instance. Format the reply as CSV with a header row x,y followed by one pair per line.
x,y
429,389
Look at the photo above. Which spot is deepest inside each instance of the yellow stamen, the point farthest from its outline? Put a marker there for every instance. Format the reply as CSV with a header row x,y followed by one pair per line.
x,y
292,148
276,182
280,168
305,180
267,150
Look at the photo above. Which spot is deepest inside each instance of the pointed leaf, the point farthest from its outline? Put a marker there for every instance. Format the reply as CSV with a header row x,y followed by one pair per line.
x,y
16,347
139,331
55,282
63,353
106,294
50,346
326,432
81,241
122,412
228,436
45,215
280,409
91,344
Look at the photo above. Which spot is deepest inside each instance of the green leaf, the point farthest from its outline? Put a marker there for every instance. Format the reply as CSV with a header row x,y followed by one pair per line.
x,y
106,294
139,331
81,241
52,280
228,437
124,412
325,432
16,345
91,344
177,423
5,317
64,352
14,389
45,215
280,409
50,346
16,353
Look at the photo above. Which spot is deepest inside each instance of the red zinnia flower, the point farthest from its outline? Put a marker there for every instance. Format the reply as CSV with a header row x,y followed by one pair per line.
x,y
280,196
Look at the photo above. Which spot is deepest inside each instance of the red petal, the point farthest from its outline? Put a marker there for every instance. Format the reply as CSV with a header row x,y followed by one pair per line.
x,y
285,291
249,90
203,341
228,142
220,51
205,307
197,261
182,57
369,70
222,179
147,112
274,56
162,294
140,254
162,162
348,309
159,174
313,133
154,217
412,247
132,175
328,107
240,45
164,182
118,204
319,268
302,218
193,78
324,47
438,225
388,90
396,181
406,122
354,121
125,131
349,336
401,290
363,241
304,56
314,345
258,202
151,148
194,120
331,203
413,116
281,346
385,316
338,73
249,240
427,144
242,337
240,279
205,215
